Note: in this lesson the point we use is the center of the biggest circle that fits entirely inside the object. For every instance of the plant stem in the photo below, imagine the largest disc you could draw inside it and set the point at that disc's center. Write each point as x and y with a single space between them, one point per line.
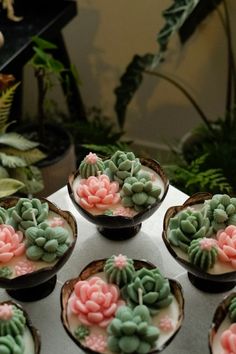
187 95
41 97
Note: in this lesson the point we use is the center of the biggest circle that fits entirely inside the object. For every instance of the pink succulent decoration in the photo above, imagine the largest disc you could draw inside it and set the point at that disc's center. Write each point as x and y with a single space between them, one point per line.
227 245
24 267
96 342
10 243
95 302
228 340
122 211
6 312
166 324
98 192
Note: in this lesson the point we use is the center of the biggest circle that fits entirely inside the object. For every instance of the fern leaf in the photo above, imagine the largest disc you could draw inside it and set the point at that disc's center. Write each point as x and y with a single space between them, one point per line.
31 156
6 100
17 141
11 161
106 150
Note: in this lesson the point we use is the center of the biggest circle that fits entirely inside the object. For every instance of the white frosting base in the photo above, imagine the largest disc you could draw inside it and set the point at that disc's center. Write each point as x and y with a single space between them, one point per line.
29 342
172 311
216 346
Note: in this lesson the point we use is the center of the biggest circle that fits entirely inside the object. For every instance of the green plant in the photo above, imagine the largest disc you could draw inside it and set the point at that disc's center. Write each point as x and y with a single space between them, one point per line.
206 166
17 155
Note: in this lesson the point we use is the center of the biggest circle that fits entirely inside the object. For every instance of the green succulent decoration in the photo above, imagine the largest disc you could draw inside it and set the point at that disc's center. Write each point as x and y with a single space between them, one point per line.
156 293
131 331
122 165
120 274
46 243
232 309
221 211
139 192
17 155
203 257
186 226
15 325
91 166
11 345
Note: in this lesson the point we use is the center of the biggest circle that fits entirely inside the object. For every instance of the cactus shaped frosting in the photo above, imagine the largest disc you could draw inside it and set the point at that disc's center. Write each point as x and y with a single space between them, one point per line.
122 165
12 345
119 270
3 215
91 166
221 211
131 332
203 253
232 309
156 293
29 212
139 192
186 226
12 320
46 243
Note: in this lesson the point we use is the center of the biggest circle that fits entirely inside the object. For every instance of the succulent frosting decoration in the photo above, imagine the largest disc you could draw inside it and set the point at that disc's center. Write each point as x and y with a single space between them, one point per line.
119 269
91 165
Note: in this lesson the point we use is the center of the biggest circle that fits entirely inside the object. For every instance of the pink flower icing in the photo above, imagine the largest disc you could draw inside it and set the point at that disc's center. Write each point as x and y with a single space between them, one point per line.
10 243
166 324
96 342
227 245
6 312
207 243
120 261
56 221
95 302
91 158
228 340
122 211
24 267
98 192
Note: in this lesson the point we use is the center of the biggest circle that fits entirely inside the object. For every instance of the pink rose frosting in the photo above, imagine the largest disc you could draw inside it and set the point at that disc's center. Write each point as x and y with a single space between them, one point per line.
24 267
96 342
227 245
10 243
95 302
166 324
98 192
228 340
56 221
91 158
122 211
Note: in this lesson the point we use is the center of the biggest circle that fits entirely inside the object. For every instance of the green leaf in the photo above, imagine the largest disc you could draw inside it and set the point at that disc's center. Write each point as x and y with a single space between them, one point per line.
29 156
11 161
5 105
32 178
17 141
9 186
43 43
3 172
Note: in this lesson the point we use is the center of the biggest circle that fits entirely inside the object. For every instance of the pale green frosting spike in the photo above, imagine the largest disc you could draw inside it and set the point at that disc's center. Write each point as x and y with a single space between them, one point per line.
14 325
232 309
131 331
46 243
12 345
202 258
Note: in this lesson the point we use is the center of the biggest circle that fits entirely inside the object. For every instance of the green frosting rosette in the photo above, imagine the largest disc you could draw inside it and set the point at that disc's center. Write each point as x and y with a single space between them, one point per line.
139 192
186 226
91 165
46 243
155 289
11 345
232 309
221 211
12 320
131 332
29 212
203 252
122 165
119 270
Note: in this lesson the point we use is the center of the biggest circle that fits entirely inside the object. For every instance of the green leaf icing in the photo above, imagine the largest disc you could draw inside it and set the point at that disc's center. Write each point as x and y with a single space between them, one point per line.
5 272
139 192
3 215
221 211
91 166
27 212
11 345
186 226
119 270
201 256
81 332
131 331
13 323
155 288
46 243
232 309
122 165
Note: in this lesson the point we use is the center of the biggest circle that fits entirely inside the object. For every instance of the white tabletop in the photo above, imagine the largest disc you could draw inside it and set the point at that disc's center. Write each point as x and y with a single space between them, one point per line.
148 245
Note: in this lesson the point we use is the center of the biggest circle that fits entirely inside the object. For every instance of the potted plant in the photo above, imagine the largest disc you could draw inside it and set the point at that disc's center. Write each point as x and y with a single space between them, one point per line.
206 166
46 127
17 154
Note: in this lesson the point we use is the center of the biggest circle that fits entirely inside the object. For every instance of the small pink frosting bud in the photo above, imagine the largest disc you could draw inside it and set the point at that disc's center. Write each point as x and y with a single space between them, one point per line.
91 158
226 240
98 192
228 340
95 302
56 221
10 243
122 211
96 342
207 243
166 324
24 267
120 261
6 312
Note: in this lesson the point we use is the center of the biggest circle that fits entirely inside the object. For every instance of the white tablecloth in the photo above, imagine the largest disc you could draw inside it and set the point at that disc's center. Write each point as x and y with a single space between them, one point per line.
148 245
